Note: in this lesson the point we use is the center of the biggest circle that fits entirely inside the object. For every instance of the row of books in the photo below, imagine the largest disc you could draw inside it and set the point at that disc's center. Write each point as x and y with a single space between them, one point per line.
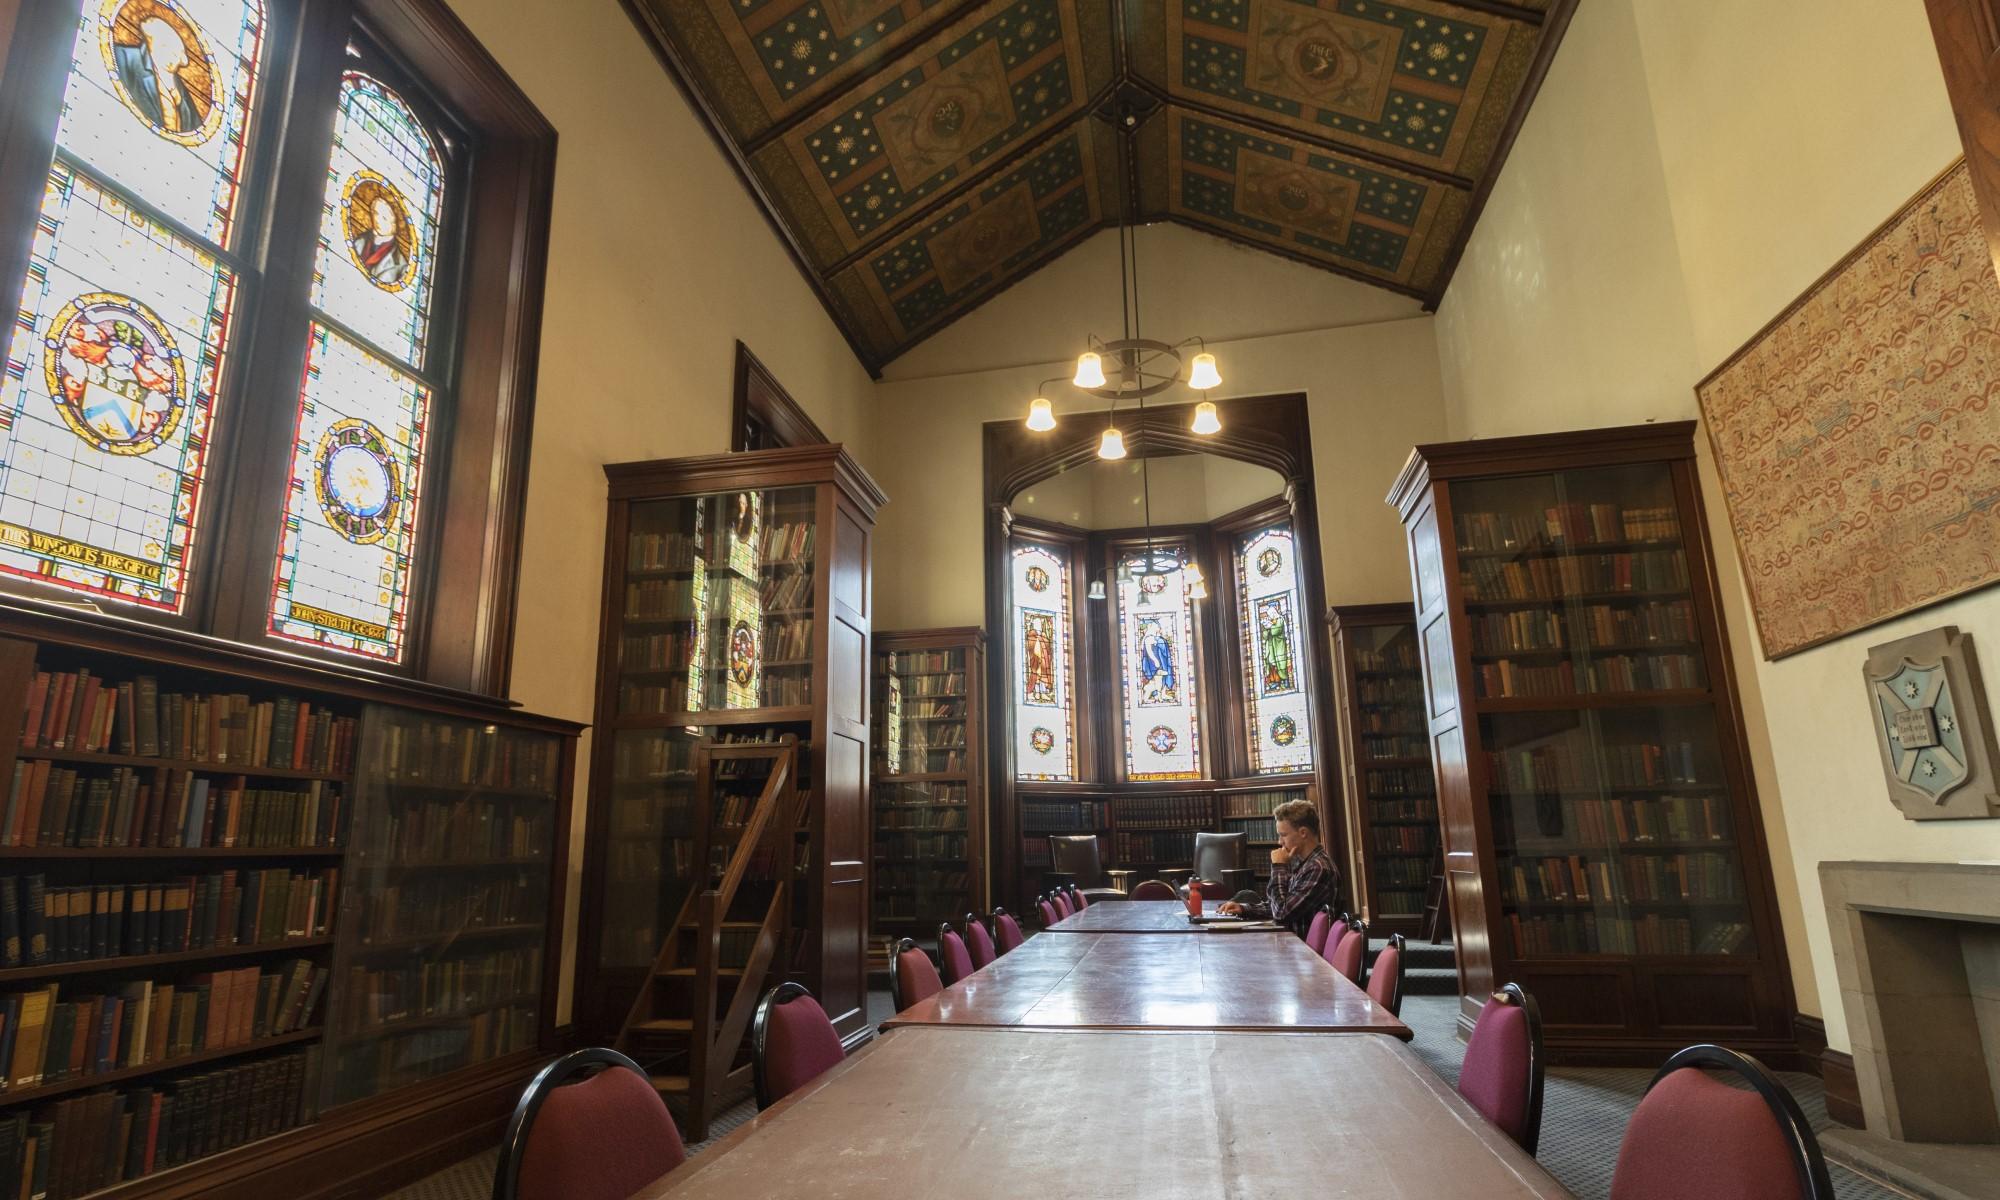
1255 829
790 543
1403 839
783 593
402 1058
1638 822
1588 879
951 684
1569 524
1615 673
921 760
671 650
1592 933
1064 816
458 755
441 988
891 794
925 661
1597 624
1386 718
476 830
85 1143
1397 655
436 906
1142 849
1554 579
670 599
40 924
47 1037
787 691
1256 804
1400 902
1575 761
1405 808
1162 812
76 710
653 754
1398 781
932 883
1394 745
789 641
915 817
936 710
52 805
1400 872
914 847
933 737
647 551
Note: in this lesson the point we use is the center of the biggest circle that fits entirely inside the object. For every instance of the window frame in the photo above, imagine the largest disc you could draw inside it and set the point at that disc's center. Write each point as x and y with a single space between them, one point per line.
1085 679
486 313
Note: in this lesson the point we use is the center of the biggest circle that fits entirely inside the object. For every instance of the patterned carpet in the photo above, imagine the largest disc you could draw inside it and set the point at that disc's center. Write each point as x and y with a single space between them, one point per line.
1584 1111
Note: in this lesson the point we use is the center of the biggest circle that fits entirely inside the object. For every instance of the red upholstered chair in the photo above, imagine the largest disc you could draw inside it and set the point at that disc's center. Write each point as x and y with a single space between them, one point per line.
1046 909
1385 978
1502 1075
792 1043
1006 931
1211 890
1063 907
913 977
1694 1135
605 1137
978 942
954 960
1347 948
1077 900
1154 889
1322 924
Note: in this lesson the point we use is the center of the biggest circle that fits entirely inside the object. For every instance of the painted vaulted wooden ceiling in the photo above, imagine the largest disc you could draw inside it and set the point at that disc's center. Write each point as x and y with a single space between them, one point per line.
920 155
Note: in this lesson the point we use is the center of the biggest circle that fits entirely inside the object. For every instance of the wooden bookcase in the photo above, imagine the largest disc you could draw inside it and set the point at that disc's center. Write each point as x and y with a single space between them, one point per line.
1602 838
736 607
928 785
353 884
1386 763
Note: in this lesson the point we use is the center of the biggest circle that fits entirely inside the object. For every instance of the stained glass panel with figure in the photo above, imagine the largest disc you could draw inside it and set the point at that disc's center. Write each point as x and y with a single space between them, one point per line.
1044 640
1274 663
1157 669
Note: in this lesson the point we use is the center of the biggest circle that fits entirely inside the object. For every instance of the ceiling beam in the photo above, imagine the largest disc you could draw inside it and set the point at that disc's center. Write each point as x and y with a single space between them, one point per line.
1499 8
1545 52
1271 129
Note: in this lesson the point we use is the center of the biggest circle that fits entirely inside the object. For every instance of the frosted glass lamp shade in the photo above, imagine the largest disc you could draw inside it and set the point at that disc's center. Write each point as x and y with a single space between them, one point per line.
1205 419
1112 445
1089 371
1202 374
1041 415
1197 587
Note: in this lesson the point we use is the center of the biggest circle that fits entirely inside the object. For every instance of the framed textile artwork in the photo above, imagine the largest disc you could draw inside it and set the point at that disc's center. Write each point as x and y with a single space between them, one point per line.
1854 435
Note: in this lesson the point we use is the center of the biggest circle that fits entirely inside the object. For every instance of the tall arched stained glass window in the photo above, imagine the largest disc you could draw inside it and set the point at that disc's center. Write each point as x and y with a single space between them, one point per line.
1274 665
123 330
1044 638
1156 665
348 543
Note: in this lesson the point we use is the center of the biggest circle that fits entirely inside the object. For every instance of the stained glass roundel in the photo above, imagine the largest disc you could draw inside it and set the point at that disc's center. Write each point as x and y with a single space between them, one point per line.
381 234
355 477
163 68
114 372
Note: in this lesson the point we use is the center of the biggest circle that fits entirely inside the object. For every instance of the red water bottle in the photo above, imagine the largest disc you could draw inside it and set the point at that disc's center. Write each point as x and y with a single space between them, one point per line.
1194 896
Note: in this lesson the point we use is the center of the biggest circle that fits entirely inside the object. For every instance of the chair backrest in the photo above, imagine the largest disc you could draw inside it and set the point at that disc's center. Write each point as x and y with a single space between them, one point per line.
978 942
954 960
1154 889
1063 907
1502 1075
1213 890
1006 931
1694 1135
1347 949
1046 909
601 1138
1385 978
1077 856
792 1043
1322 924
1077 900
1215 853
912 977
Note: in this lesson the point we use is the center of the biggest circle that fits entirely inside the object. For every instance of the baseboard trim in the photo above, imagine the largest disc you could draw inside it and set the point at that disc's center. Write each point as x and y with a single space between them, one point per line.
1835 1069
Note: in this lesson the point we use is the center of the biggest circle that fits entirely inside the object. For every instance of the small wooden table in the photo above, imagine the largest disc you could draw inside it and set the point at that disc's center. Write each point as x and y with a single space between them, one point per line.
1119 1116
1136 916
1118 981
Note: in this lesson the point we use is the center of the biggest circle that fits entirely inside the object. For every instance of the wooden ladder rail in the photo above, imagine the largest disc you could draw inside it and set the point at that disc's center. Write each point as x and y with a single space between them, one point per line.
713 1040
1436 915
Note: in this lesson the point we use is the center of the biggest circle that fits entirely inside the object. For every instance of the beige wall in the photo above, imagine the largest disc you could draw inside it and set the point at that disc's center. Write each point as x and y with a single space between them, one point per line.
1677 183
658 262
1186 489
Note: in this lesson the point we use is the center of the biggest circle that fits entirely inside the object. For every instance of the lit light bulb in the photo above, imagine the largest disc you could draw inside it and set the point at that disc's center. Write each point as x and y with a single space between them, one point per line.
1205 420
1042 415
1202 375
1089 371
1112 445
1197 587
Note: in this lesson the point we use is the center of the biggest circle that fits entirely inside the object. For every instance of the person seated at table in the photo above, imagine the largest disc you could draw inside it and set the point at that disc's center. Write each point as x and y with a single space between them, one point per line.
1303 876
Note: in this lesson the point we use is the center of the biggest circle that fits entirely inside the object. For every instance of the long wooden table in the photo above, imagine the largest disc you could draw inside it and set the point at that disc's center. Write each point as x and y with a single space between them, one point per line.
1136 916
1120 981
975 1114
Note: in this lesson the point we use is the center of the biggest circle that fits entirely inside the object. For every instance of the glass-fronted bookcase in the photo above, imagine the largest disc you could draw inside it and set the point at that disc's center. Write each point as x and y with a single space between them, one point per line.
1600 822
928 784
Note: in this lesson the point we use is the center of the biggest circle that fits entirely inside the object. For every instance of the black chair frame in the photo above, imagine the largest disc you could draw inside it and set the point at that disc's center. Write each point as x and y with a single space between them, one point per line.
760 1029
1814 1182
1402 946
1531 1130
514 1145
896 971
1360 927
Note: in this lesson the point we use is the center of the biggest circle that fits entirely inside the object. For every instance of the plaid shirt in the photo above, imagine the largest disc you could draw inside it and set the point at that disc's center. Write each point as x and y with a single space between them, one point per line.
1298 889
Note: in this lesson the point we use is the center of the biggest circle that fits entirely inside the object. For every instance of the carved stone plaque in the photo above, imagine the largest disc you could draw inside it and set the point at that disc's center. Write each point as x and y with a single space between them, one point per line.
1929 706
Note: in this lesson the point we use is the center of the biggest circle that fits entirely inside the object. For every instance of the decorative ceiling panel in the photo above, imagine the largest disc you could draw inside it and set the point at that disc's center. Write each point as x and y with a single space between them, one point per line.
920 155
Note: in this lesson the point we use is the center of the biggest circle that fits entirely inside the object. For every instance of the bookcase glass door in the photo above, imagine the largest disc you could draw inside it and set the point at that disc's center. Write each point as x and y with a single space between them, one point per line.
1393 768
923 869
1609 799
718 603
439 961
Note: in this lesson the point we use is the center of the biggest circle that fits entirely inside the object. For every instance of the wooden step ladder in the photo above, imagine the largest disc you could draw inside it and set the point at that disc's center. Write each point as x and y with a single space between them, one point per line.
1437 918
694 1052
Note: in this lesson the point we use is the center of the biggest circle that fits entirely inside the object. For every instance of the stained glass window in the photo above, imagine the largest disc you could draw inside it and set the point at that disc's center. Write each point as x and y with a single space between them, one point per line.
1044 640
348 544
1274 664
123 327
1156 665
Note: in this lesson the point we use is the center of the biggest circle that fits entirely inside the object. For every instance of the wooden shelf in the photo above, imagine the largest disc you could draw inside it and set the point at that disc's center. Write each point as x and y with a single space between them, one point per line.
1407 761
76 1083
401 1025
715 716
1584 651
1582 550
171 958
169 853
1611 597
98 758
470 933
1659 699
